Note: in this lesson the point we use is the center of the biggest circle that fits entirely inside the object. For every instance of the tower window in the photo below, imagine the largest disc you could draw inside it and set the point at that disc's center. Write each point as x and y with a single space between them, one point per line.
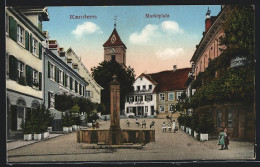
113 57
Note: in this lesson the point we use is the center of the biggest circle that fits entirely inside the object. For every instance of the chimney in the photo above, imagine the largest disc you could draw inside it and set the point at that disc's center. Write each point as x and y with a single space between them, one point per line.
207 21
174 67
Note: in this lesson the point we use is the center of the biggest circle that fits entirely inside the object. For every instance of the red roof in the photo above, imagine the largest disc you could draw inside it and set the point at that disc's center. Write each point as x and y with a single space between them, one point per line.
170 80
114 40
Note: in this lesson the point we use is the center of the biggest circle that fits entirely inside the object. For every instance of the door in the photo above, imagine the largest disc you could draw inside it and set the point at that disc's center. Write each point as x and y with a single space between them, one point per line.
152 110
20 117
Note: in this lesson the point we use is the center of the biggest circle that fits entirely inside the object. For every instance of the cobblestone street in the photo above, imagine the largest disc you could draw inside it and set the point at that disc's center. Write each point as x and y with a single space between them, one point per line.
168 146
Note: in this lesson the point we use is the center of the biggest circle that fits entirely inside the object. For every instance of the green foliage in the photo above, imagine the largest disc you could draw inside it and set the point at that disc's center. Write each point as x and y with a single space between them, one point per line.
187 121
91 117
40 119
239 30
66 120
75 109
181 119
103 75
195 121
101 108
63 102
85 105
206 124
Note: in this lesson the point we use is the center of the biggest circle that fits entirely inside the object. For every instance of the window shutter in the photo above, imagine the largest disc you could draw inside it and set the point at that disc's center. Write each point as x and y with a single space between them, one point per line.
151 97
40 81
14 117
31 43
63 81
66 80
145 98
83 90
49 68
12 28
28 70
76 86
13 73
26 40
70 83
40 51
55 73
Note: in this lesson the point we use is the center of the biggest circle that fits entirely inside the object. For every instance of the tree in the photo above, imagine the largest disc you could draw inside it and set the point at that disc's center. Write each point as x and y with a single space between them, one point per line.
101 108
85 105
103 75
206 124
63 102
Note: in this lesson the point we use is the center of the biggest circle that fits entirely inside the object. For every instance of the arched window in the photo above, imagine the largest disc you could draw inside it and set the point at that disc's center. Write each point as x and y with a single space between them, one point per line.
35 104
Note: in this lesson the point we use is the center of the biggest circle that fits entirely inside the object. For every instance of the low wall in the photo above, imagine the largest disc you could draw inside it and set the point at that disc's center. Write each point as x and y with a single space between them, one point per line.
127 136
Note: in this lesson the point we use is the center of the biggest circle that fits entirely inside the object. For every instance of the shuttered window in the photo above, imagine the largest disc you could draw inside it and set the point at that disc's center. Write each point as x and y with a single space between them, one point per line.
71 83
26 40
40 81
40 51
12 28
29 76
76 86
13 73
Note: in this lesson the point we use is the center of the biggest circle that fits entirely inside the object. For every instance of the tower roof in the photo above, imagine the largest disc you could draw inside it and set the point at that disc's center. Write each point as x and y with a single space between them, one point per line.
114 40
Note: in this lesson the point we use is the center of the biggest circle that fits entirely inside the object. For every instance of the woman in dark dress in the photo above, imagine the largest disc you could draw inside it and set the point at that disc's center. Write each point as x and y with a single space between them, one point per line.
226 139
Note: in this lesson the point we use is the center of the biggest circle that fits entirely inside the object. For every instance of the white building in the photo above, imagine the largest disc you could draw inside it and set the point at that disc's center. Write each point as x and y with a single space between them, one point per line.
142 101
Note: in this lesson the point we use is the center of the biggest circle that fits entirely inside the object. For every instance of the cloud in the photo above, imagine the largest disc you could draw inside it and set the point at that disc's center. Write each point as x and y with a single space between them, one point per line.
171 26
169 53
147 33
86 28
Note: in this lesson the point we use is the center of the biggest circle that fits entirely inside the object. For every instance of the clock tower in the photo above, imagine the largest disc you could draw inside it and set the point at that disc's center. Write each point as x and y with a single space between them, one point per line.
115 49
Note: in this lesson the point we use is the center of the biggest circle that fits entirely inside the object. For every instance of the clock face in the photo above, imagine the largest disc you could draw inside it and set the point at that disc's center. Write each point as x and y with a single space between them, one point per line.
113 39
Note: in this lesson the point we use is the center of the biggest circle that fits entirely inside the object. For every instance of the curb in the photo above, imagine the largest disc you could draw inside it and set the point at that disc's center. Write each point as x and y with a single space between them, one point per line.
38 141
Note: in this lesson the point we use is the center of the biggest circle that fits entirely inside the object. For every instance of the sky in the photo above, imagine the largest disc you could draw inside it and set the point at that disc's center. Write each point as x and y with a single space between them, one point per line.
153 44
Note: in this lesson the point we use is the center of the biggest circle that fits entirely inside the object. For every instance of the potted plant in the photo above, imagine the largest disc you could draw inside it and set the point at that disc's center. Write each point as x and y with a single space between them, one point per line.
205 127
27 130
195 124
65 122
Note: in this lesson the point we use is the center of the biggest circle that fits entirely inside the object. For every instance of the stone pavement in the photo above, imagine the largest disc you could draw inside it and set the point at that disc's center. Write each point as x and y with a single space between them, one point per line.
167 146
21 143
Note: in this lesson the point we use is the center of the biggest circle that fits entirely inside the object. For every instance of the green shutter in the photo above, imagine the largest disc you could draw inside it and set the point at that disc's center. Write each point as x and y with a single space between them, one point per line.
12 28
13 72
70 83
40 81
29 76
66 80
26 40
14 117
58 78
40 51
49 69
31 43
63 79
55 73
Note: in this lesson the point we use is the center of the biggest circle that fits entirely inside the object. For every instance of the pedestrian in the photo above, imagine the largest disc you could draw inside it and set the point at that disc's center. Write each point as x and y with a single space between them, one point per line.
128 123
173 126
137 123
226 139
164 126
97 125
152 124
105 119
143 124
221 139
169 127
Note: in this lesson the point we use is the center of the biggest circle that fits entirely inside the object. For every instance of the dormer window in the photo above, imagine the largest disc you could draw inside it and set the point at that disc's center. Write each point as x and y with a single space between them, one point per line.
144 87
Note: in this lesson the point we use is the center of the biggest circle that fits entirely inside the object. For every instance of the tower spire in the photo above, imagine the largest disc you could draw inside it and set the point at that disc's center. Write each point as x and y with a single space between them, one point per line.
115 22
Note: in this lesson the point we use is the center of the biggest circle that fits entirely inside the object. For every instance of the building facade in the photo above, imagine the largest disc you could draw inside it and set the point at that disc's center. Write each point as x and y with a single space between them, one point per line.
93 89
209 47
142 101
157 92
60 77
170 86
236 117
24 62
